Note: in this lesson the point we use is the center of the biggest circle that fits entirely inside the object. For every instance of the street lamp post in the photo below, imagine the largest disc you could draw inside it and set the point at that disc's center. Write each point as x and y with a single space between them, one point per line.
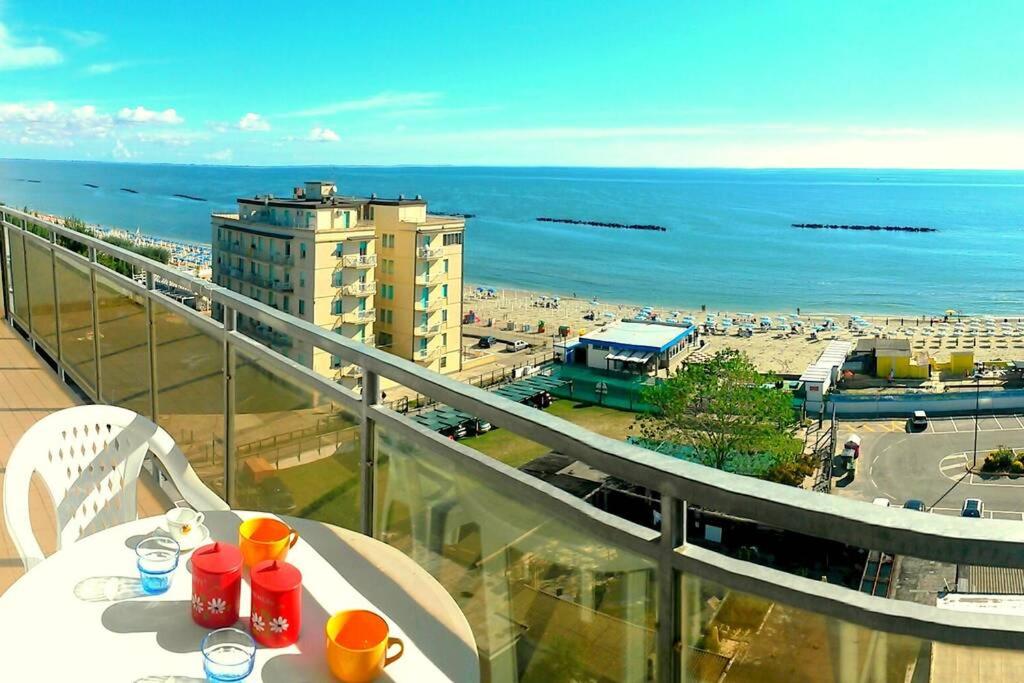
977 404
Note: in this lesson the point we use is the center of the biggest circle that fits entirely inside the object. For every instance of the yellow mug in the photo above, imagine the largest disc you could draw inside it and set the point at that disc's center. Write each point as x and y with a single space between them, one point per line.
358 644
265 538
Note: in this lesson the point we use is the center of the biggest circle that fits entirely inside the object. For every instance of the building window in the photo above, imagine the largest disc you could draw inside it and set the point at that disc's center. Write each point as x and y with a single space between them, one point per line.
444 315
284 303
347 219
336 278
287 248
302 250
384 339
390 316
446 265
450 238
444 291
302 279
444 340
336 307
444 361
302 307
335 362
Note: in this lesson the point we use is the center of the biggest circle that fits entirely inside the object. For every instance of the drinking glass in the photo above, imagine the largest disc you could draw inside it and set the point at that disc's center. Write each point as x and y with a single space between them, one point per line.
157 560
228 655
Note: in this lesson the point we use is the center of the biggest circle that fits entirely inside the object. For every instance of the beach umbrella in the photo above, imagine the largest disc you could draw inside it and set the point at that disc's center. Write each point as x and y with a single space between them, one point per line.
951 311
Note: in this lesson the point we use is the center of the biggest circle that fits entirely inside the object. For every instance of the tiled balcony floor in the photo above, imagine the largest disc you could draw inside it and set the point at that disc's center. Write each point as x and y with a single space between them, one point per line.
30 390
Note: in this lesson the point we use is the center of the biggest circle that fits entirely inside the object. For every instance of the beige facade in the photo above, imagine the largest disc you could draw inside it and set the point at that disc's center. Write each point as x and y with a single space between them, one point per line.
376 270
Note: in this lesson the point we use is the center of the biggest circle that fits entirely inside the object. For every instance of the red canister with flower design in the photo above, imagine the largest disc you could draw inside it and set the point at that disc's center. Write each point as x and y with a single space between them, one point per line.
216 584
276 603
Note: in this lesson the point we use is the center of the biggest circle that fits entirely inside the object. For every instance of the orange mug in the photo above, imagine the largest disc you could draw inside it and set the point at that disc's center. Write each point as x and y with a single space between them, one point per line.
358 644
265 538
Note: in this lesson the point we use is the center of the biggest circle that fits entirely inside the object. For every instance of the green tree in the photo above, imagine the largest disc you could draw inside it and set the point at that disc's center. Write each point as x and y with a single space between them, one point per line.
722 408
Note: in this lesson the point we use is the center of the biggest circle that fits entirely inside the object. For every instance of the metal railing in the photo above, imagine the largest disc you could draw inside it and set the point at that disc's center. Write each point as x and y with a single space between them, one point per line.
427 330
358 288
434 303
510 547
429 353
429 253
358 316
428 279
359 260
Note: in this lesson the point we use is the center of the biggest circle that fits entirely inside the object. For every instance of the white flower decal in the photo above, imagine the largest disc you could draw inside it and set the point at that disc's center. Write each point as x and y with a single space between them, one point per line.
278 624
257 622
197 603
217 606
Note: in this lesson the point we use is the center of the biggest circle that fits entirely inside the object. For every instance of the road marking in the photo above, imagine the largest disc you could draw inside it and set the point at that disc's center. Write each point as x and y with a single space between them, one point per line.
998 423
1017 418
953 466
953 422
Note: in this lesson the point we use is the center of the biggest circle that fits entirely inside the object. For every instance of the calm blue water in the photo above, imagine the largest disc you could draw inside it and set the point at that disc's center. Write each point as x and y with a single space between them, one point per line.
729 244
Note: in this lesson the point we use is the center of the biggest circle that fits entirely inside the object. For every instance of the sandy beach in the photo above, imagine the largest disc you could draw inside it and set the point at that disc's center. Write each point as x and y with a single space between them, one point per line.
992 339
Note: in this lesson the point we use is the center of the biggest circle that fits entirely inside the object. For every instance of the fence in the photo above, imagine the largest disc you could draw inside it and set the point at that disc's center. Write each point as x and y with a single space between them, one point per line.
949 404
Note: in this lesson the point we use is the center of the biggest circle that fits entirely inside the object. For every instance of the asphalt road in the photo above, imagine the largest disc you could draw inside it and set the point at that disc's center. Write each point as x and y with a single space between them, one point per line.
931 465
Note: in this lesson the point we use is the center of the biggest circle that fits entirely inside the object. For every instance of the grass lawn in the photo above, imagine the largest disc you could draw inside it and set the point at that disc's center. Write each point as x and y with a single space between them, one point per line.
514 450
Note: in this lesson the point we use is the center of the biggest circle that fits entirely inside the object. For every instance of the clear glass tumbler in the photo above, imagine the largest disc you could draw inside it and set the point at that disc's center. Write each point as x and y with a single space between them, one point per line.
157 560
228 655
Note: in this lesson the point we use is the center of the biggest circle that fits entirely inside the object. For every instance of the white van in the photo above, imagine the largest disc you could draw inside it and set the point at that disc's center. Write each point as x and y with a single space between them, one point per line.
518 345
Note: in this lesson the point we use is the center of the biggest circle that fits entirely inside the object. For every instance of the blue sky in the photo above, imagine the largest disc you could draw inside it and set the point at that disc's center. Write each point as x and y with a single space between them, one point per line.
785 83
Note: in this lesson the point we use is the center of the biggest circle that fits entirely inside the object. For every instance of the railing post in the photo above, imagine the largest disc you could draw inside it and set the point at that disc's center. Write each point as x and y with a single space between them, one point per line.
230 316
151 338
28 294
95 301
56 306
673 534
5 268
371 396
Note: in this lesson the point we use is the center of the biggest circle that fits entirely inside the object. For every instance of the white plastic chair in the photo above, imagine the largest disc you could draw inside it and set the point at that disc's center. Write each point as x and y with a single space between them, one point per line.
89 458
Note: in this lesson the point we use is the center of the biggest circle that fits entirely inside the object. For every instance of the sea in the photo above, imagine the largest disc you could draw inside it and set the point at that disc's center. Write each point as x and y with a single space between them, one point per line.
729 243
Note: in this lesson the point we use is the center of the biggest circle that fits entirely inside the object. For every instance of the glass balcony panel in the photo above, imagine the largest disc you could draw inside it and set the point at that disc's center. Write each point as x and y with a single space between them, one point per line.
296 451
124 346
41 296
18 282
754 639
74 294
547 601
190 391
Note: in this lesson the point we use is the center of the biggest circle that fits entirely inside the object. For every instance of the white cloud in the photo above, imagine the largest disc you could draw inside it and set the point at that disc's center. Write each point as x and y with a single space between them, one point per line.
84 38
104 68
14 56
323 135
222 155
384 100
253 122
121 152
143 115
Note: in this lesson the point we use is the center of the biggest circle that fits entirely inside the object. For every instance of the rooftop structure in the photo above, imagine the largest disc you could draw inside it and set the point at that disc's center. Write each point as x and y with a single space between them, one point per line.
636 346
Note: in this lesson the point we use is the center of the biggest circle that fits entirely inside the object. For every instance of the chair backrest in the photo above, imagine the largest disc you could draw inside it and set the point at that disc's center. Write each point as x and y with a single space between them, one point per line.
89 458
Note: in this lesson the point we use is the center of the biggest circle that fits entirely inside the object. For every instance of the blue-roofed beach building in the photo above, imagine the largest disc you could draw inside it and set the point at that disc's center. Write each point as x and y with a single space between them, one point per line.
637 347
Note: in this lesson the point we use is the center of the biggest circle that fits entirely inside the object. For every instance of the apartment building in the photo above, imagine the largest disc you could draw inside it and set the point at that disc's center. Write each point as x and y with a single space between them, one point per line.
345 263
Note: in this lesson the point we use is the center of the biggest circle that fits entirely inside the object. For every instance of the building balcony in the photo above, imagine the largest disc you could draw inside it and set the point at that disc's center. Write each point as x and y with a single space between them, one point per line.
636 592
250 252
359 260
348 372
432 304
283 286
235 272
359 288
427 354
359 316
427 330
267 335
429 253
430 279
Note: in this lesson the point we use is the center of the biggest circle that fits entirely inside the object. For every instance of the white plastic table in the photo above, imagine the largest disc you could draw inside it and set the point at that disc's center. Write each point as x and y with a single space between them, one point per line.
81 616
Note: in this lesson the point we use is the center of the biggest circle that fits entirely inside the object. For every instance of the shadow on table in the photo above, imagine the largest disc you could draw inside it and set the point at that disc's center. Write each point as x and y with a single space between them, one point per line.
108 588
133 541
169 619
170 679
290 668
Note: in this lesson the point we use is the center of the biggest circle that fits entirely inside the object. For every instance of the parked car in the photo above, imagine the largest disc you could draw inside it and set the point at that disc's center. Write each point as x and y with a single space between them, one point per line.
884 502
518 345
919 421
915 505
486 342
973 507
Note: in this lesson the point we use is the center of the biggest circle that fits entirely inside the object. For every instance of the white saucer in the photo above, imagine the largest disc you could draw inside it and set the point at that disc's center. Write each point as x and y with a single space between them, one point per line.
198 537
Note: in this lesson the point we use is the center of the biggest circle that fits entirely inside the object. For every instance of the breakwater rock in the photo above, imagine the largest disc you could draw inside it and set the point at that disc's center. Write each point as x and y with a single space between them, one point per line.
188 196
604 224
868 228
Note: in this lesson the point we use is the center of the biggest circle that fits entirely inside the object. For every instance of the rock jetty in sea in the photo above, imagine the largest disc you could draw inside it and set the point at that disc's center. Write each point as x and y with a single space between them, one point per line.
870 228
604 224
90 185
456 214
188 196
128 189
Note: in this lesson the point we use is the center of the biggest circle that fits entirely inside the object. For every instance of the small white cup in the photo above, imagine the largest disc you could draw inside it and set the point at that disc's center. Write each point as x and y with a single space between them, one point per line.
181 522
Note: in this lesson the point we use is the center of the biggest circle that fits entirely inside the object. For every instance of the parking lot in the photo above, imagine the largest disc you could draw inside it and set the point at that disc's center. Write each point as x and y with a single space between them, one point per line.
932 465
